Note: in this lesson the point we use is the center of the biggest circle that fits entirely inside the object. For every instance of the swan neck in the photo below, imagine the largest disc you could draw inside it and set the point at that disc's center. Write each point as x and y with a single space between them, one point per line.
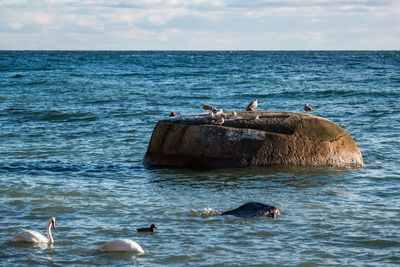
48 232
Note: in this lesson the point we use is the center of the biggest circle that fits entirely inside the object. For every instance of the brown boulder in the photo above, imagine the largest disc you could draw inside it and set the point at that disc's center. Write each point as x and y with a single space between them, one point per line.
275 138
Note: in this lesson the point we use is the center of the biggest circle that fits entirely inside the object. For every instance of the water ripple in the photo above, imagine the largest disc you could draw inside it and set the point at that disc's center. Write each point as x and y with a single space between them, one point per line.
75 126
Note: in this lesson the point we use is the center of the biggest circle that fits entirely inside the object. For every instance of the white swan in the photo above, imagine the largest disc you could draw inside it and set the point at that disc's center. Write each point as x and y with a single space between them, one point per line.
36 237
121 245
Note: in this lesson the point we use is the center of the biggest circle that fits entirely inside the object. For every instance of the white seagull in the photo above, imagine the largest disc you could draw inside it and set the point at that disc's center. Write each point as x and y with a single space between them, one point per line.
218 112
220 121
255 117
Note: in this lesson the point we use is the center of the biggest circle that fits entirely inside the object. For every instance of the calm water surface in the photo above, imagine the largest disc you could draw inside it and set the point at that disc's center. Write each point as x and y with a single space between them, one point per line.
74 127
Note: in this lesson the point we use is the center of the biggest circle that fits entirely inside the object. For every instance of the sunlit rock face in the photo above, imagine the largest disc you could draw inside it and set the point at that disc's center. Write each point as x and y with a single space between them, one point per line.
252 138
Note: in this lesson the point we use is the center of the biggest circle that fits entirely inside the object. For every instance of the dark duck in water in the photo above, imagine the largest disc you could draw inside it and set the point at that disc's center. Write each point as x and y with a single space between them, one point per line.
147 229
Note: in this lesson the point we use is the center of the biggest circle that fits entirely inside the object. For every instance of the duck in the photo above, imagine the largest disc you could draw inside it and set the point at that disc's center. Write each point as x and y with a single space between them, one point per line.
36 237
149 229
121 245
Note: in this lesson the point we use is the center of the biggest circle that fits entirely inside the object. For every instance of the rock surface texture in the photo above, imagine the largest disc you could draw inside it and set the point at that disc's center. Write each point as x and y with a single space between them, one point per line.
274 138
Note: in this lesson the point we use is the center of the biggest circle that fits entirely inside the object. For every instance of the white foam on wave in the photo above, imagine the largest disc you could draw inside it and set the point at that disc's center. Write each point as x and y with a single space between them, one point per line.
206 212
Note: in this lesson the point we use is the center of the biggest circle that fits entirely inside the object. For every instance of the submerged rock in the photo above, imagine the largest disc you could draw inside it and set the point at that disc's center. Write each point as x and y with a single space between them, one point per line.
251 138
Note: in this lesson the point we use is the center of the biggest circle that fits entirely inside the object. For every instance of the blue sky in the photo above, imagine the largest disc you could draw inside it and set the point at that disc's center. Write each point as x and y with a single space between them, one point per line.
200 24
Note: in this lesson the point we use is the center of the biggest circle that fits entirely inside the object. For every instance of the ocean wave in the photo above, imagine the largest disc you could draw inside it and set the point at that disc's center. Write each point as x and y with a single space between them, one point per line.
206 212
37 82
49 166
50 115
39 166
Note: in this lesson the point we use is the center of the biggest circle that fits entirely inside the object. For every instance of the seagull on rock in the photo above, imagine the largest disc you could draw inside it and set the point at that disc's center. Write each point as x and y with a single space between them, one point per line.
253 104
220 121
218 112
255 117
307 108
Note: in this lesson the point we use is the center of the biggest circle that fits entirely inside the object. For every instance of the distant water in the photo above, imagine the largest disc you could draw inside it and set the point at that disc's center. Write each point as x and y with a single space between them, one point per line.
74 127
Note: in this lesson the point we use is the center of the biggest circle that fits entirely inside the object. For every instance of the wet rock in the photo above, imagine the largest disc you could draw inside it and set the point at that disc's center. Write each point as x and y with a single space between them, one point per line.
269 139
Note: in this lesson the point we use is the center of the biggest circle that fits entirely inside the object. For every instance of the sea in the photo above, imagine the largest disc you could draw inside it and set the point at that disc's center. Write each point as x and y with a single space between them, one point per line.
75 126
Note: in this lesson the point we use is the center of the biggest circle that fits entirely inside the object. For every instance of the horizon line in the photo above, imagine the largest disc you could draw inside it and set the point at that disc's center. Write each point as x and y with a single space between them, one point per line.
203 50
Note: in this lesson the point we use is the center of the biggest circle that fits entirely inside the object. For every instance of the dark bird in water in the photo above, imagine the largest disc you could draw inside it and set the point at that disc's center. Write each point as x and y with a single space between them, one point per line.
147 229
173 114
206 107
253 104
307 108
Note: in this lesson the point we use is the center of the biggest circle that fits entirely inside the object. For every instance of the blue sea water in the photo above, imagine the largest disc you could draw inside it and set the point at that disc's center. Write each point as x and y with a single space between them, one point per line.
75 125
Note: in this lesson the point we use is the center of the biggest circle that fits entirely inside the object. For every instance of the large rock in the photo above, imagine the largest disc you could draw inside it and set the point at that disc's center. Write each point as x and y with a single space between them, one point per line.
276 138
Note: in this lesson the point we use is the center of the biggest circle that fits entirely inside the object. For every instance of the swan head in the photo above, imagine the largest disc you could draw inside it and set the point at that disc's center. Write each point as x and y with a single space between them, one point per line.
52 221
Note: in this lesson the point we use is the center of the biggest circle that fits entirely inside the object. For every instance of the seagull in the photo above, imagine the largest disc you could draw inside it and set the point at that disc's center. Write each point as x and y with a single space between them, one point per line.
307 108
253 104
206 107
220 121
234 114
218 112
255 117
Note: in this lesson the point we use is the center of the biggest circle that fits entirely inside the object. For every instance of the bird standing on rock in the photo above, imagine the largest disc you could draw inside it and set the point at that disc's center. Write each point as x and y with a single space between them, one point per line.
253 104
307 108
206 107
218 112
220 121
255 117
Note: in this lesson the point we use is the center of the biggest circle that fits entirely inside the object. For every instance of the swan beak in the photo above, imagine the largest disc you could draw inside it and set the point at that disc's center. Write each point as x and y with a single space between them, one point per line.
53 224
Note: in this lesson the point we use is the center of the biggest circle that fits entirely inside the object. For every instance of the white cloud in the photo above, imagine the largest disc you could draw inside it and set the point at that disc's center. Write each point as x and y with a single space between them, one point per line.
39 18
15 25
205 24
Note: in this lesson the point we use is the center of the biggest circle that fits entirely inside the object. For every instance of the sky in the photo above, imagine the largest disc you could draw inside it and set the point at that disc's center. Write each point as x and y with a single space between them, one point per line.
199 25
